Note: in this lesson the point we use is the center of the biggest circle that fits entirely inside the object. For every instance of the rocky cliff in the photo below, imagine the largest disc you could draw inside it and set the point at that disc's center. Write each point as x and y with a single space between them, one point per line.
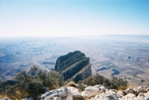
74 65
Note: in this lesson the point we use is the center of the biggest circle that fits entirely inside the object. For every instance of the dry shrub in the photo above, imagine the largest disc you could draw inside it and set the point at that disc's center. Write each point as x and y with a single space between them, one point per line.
71 83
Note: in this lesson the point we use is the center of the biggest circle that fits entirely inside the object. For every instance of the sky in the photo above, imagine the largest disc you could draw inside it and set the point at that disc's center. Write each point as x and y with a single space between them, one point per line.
42 18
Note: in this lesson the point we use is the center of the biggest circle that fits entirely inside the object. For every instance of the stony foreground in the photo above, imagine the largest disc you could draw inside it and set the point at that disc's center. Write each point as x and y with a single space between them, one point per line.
97 92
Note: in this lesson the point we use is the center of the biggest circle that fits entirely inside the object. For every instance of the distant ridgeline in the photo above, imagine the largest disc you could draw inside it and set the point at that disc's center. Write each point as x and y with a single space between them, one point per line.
74 65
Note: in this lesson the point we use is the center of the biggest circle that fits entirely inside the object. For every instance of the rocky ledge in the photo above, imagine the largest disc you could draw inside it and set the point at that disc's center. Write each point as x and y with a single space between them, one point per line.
74 65
97 92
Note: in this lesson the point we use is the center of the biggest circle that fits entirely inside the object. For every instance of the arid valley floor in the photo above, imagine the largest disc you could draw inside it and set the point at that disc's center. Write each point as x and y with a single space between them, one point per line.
122 56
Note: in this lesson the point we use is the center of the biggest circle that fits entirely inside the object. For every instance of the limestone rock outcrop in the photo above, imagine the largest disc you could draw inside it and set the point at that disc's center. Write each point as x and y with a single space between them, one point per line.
97 92
74 65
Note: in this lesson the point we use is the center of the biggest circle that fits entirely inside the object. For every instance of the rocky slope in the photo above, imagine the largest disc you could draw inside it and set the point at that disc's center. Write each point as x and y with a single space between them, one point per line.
74 65
97 92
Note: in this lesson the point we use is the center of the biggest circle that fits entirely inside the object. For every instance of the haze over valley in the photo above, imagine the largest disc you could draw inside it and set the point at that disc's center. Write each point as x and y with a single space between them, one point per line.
123 56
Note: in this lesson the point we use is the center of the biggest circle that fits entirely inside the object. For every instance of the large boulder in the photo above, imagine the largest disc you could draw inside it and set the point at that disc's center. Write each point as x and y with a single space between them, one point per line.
61 93
74 65
93 90
129 96
74 90
111 91
105 97
140 96
129 90
132 96
75 93
140 89
120 94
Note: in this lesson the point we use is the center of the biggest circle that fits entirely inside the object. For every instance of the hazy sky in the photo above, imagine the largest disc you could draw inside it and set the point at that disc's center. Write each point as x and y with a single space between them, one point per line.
73 17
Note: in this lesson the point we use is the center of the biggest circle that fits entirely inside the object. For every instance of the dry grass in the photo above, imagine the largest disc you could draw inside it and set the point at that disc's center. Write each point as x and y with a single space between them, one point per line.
71 83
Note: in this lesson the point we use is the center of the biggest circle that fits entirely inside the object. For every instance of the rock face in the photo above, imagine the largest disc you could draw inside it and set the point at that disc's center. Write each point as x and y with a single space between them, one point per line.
74 65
